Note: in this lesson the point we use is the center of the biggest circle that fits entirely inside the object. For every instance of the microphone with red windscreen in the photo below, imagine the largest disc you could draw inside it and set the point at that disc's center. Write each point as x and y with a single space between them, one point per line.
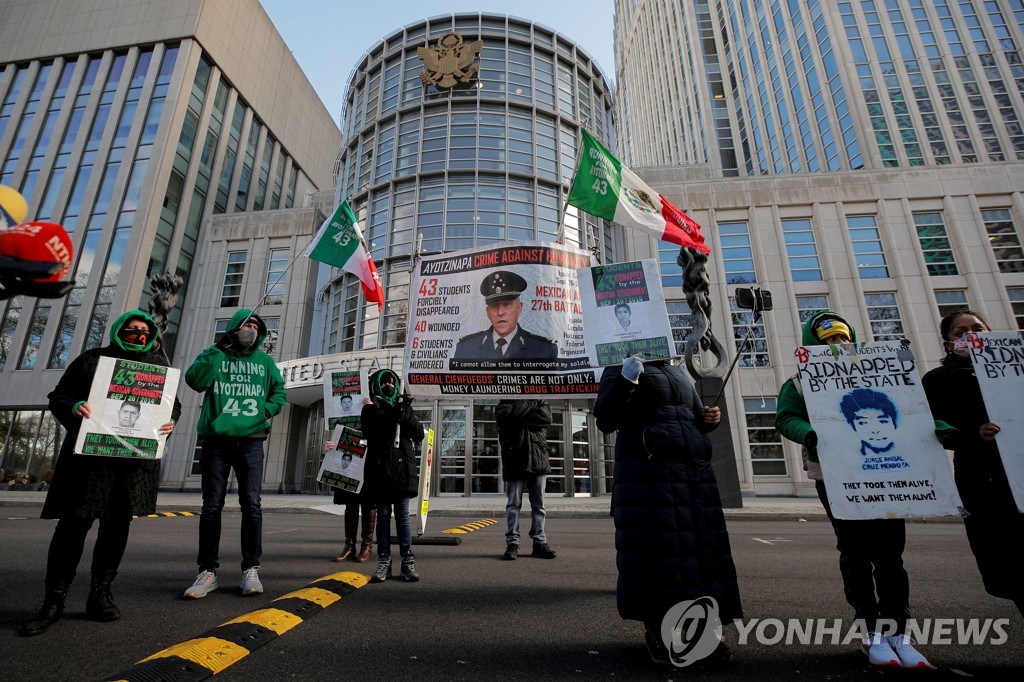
34 257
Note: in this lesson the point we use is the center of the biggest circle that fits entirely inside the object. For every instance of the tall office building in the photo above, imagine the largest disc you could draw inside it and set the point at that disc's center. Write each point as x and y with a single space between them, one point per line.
861 156
132 124
445 162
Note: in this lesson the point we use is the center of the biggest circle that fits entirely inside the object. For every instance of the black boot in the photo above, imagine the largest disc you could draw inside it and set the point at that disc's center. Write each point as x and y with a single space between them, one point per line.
48 613
99 606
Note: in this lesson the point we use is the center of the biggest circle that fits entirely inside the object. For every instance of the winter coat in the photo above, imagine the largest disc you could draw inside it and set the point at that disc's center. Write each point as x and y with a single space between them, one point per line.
522 435
391 473
955 397
244 389
88 486
671 540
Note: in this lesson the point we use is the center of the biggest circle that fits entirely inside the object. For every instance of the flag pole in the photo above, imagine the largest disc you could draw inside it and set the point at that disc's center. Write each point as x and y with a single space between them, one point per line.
565 206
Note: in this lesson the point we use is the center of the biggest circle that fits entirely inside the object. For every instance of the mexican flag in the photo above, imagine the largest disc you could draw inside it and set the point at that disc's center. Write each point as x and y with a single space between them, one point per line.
607 189
339 242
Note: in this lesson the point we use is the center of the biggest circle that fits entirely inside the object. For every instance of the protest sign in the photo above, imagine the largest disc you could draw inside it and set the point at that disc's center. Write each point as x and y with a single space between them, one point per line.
624 312
998 359
876 435
343 397
426 466
130 401
504 321
343 466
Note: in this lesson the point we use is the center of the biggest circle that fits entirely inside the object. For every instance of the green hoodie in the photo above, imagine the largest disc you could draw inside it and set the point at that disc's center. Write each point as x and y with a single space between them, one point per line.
244 389
791 418
120 322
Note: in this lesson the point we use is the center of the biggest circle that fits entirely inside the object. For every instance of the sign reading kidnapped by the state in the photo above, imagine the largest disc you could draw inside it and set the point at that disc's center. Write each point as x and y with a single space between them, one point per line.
876 435
505 321
343 466
624 312
344 391
998 359
130 401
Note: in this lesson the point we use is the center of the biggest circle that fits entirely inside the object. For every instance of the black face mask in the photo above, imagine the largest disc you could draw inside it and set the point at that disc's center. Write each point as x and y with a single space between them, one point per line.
137 338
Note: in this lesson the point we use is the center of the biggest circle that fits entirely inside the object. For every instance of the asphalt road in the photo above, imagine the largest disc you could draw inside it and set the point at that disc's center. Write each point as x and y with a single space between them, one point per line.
474 616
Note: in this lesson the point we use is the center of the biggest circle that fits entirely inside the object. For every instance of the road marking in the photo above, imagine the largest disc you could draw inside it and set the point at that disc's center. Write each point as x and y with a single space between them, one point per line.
162 514
771 542
223 646
286 530
470 527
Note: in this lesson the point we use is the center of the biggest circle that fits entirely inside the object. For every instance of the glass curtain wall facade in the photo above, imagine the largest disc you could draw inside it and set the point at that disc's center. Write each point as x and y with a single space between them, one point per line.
91 142
441 170
864 156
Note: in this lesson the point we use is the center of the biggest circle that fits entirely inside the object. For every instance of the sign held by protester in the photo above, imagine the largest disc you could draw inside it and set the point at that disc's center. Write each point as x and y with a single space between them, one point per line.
130 401
624 312
876 435
344 391
503 321
344 465
998 359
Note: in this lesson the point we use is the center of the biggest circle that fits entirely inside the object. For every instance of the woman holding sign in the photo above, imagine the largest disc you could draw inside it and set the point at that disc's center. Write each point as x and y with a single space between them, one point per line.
994 522
87 487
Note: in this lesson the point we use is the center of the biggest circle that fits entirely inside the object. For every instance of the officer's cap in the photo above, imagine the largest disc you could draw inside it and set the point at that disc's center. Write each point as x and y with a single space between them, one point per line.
502 286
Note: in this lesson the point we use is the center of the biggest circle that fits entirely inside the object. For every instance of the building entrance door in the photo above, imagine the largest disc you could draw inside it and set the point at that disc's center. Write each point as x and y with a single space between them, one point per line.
452 450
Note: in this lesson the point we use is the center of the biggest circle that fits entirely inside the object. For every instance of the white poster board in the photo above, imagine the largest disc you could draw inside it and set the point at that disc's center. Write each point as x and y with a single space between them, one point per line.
998 359
455 324
426 466
344 466
624 312
130 401
344 391
876 435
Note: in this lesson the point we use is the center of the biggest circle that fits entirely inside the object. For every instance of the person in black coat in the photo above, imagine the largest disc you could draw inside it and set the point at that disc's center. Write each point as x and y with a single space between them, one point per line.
671 541
88 487
354 503
994 523
393 435
523 437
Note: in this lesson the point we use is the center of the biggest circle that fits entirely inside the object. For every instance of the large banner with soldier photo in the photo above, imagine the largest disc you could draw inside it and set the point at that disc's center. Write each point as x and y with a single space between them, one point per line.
998 359
505 321
876 436
130 401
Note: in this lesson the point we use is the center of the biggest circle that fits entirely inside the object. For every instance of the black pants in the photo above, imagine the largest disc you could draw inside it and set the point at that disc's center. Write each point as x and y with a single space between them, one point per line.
68 543
870 560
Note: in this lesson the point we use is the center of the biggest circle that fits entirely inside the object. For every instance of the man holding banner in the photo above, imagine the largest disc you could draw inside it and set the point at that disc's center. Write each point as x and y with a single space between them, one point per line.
87 487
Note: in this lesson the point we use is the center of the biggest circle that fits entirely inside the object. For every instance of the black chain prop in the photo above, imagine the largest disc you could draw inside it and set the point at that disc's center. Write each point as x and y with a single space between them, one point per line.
697 286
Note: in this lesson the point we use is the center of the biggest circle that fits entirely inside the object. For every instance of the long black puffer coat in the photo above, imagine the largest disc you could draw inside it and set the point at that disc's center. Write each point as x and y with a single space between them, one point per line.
392 473
523 436
91 487
955 397
670 536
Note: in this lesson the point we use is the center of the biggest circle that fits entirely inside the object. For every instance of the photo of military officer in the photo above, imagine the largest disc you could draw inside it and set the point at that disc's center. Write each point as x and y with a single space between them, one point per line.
505 339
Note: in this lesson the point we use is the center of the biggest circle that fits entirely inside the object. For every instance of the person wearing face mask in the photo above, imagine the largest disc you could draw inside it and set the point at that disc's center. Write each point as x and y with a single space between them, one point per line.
393 435
85 488
955 397
243 391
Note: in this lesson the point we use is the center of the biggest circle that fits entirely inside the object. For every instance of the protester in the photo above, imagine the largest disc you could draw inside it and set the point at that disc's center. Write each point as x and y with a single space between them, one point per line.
671 541
871 550
955 398
244 390
354 503
522 435
393 434
88 487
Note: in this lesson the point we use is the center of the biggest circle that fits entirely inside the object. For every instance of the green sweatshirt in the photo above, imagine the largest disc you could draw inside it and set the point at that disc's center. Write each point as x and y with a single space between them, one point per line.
244 389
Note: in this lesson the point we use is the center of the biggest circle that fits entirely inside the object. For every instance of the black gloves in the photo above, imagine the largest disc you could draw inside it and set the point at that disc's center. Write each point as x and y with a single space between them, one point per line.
229 340
811 440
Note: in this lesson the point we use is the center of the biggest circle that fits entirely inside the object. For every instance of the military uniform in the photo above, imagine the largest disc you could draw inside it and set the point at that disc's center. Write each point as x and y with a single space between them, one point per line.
499 287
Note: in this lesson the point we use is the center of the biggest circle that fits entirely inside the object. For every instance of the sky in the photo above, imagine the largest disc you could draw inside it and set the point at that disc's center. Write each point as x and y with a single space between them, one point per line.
329 37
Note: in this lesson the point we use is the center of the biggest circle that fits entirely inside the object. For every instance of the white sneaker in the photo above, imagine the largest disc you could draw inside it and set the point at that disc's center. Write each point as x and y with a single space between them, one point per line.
206 582
251 581
910 657
879 651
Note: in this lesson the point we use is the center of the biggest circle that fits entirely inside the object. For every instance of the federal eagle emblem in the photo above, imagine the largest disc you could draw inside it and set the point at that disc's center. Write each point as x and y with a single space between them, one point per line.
640 199
450 61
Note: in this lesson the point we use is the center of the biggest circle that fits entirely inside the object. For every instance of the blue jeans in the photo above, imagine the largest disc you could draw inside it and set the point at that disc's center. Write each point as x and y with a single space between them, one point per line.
401 523
515 504
218 458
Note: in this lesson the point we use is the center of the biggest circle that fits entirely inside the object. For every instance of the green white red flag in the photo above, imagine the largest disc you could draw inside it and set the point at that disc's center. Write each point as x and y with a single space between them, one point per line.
339 242
605 188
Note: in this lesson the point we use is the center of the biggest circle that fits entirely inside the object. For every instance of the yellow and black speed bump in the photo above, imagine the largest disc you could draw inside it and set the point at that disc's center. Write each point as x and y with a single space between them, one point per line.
470 527
223 646
162 514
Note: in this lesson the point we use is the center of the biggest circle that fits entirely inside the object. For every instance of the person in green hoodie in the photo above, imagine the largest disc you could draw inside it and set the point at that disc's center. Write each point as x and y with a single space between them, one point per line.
243 391
85 488
871 550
